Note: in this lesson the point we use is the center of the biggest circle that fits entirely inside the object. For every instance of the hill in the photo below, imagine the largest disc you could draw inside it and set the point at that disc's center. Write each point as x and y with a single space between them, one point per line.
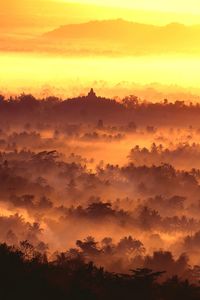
130 36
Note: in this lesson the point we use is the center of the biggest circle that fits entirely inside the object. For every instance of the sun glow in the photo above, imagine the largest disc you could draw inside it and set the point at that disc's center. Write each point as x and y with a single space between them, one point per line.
28 62
176 6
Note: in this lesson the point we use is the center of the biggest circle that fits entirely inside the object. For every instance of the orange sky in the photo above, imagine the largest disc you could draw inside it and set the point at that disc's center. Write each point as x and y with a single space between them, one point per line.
26 69
157 5
52 13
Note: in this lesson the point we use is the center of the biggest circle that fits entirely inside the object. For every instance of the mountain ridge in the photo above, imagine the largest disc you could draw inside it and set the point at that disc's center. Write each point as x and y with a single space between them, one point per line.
129 37
76 30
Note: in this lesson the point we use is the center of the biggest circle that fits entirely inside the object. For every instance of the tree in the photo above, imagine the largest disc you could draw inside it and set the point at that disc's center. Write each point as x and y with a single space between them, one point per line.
130 101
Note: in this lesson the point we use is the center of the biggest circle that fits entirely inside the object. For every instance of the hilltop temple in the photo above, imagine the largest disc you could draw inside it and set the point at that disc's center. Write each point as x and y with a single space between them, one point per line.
92 95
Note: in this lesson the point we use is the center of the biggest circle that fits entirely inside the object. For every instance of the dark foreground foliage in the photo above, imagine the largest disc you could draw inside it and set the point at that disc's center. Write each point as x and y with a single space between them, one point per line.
29 275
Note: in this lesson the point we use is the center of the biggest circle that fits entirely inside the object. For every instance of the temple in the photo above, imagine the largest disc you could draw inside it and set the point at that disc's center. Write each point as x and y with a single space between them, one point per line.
91 95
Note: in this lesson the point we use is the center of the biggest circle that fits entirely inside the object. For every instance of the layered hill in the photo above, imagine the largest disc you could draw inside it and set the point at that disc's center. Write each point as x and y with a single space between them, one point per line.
131 36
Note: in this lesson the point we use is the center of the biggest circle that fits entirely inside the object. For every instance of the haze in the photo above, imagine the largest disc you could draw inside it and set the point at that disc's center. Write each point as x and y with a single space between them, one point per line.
99 150
32 59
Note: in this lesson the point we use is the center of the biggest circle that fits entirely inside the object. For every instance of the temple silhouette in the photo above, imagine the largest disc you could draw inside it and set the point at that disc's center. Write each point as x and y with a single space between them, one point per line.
92 95
90 99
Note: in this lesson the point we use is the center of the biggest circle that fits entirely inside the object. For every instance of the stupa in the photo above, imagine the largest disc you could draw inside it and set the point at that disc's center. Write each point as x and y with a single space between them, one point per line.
91 95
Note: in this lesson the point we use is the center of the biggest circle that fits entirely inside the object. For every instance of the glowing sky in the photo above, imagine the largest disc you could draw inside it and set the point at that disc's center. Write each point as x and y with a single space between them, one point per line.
56 12
24 20
146 11
177 6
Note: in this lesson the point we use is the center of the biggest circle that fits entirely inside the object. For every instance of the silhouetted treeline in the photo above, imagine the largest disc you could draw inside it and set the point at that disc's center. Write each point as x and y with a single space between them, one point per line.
26 274
24 108
181 155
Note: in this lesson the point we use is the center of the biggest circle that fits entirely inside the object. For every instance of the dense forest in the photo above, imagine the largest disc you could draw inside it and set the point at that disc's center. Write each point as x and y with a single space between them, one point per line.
99 198
91 108
26 274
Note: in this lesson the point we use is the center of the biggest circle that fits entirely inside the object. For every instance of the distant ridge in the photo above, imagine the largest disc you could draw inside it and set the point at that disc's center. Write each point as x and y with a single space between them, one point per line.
130 36
99 29
115 28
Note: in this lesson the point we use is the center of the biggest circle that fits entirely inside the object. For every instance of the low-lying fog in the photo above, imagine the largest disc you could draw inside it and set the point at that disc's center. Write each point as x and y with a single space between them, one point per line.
120 193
